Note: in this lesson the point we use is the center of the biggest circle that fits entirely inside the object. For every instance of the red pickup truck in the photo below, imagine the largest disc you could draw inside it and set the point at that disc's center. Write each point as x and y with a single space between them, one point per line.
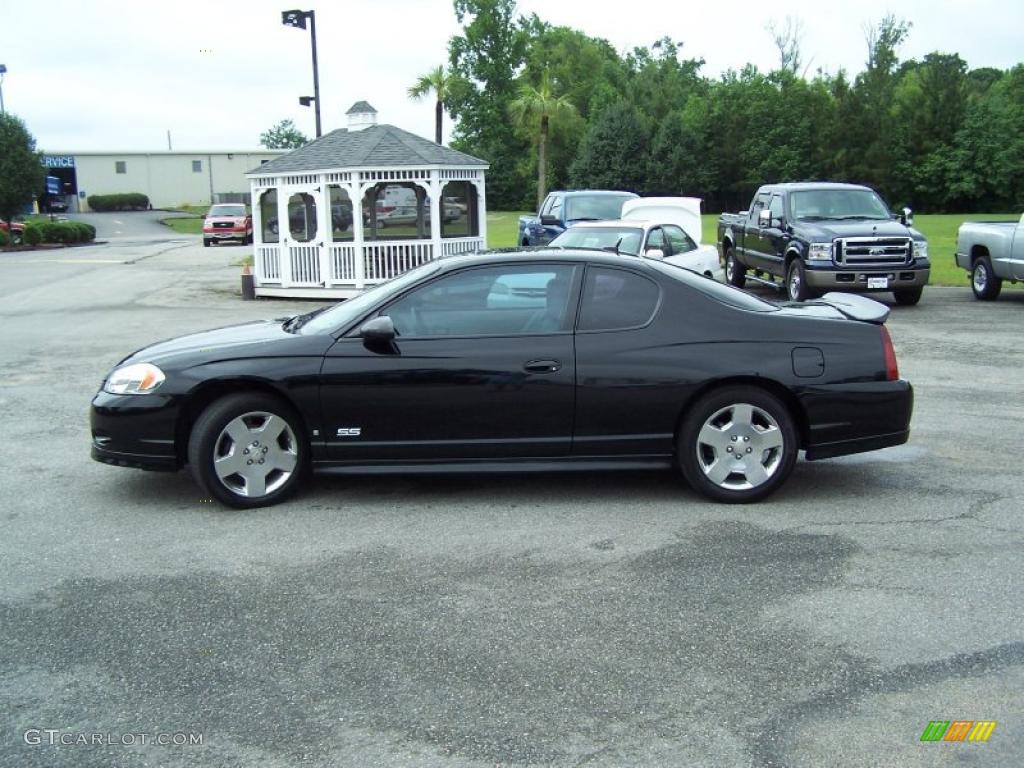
227 221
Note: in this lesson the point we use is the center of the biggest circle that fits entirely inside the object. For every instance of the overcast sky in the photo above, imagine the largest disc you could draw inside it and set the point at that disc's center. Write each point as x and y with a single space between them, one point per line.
113 74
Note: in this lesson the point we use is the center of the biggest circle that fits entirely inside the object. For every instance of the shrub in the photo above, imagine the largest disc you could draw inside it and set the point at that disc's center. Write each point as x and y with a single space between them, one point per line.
124 201
3 238
32 235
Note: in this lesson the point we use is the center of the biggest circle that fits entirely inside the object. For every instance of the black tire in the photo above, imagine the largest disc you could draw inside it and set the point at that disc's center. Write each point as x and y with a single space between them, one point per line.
206 243
735 274
796 282
248 415
770 431
908 297
984 283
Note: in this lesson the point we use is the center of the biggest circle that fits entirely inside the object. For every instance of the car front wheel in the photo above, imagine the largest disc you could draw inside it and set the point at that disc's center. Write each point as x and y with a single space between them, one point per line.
248 450
737 445
796 282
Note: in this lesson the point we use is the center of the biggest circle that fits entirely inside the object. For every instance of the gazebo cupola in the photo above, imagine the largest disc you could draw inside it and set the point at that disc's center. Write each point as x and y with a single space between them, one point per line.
361 205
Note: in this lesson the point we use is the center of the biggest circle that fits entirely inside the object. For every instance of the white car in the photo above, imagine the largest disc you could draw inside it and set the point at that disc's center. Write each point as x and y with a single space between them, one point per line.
667 228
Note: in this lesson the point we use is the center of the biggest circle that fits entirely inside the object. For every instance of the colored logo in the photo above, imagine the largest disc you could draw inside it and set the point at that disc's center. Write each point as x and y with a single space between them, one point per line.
958 730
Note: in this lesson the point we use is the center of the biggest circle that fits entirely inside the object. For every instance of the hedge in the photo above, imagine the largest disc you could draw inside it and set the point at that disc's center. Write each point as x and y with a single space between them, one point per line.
32 235
127 201
66 232
3 238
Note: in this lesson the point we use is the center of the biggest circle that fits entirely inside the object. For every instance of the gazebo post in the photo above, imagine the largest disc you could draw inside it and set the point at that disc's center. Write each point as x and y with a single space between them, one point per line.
284 229
324 226
435 215
356 197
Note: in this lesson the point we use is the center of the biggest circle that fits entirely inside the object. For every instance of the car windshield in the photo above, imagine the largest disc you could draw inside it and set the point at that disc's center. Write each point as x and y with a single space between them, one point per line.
595 208
626 238
227 210
347 311
822 204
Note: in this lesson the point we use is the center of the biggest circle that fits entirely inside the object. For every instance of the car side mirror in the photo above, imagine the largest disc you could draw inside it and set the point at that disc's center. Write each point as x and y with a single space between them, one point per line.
379 330
907 217
548 220
764 218
654 253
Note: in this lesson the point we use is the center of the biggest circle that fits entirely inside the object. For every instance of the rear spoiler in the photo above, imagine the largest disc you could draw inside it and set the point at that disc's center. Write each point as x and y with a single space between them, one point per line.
857 307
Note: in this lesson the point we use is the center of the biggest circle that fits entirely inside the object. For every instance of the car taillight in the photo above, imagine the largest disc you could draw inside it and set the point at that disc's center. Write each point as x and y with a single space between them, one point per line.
892 369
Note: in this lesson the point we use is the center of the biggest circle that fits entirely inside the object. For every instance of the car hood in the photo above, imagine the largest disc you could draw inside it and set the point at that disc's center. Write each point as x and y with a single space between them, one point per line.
819 231
262 338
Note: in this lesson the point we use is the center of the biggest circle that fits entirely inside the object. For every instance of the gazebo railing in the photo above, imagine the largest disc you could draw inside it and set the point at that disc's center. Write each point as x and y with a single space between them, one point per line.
338 264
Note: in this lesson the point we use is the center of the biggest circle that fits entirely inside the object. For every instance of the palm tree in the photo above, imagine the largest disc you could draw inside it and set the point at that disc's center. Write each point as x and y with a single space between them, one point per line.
438 82
535 109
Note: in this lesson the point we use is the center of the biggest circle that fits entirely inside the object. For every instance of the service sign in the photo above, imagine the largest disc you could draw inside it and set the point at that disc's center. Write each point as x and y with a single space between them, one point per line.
58 161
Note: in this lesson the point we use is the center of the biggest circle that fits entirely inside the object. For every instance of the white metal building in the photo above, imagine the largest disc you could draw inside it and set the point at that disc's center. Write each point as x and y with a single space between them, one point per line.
167 178
362 205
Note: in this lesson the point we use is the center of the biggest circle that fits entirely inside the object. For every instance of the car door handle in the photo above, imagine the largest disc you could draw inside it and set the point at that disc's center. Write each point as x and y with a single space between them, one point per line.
542 366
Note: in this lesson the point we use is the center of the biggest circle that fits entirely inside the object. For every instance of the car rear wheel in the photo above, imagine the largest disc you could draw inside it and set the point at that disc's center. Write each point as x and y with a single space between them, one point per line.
248 450
735 275
908 297
984 283
737 445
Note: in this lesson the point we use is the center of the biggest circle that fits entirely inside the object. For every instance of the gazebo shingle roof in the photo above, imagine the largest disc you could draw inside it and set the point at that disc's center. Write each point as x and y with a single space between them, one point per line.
359 107
378 146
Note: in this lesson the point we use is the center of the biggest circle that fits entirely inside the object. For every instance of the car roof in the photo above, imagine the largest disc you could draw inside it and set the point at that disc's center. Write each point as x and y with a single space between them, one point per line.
794 186
615 224
519 255
593 192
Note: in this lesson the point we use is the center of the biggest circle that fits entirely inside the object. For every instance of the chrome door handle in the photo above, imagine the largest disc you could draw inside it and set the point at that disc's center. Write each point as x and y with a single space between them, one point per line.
542 366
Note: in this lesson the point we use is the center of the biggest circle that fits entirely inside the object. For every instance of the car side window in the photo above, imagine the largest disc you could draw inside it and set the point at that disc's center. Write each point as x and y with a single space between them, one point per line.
556 207
759 203
775 208
615 299
545 209
656 239
490 301
679 240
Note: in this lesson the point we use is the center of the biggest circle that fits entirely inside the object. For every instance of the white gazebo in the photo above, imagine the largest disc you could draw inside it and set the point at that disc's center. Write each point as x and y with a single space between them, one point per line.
362 205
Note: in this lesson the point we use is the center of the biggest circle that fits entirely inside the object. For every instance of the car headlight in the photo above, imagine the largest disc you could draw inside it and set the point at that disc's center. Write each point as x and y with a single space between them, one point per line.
820 252
135 379
920 249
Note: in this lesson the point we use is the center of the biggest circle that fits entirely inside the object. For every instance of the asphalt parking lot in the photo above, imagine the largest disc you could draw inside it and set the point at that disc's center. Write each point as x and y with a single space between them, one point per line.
598 620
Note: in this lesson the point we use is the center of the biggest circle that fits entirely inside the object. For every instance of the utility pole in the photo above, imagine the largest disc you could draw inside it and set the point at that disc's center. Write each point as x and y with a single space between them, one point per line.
297 19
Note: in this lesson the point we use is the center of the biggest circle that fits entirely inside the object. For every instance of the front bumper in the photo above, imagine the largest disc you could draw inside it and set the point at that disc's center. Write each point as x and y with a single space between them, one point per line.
226 234
858 417
857 280
135 431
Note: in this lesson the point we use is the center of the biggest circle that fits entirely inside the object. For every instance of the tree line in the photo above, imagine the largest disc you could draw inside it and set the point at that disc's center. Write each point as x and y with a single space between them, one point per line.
550 107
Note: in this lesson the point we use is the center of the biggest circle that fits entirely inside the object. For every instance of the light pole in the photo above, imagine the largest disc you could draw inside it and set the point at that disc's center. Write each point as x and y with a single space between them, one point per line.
298 19
3 71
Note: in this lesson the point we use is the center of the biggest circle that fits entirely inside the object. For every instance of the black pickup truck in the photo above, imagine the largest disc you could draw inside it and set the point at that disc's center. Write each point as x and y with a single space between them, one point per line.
822 236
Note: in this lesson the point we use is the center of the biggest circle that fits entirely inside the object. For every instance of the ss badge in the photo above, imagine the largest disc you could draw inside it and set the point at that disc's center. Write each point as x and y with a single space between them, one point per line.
349 431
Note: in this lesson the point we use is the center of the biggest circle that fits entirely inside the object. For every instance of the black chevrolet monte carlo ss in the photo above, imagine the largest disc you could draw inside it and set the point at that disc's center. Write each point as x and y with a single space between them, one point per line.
547 360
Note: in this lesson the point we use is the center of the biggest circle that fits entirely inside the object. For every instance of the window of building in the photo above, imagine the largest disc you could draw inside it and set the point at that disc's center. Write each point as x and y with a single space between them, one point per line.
459 217
197 166
120 166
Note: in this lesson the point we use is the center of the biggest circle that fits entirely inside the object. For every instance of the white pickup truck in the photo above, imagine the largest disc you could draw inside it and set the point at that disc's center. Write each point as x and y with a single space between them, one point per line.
992 251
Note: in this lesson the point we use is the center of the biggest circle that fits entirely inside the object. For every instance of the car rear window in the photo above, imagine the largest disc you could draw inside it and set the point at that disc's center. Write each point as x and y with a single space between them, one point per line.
719 291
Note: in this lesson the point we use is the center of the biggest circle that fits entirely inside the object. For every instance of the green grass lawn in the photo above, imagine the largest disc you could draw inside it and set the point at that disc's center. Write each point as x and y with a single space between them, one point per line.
189 226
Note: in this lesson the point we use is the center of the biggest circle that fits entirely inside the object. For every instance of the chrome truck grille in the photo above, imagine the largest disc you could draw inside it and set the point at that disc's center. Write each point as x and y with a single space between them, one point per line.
873 251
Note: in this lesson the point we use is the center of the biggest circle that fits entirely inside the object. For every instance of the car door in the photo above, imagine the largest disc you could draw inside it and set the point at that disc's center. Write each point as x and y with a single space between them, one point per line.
767 238
623 400
752 240
1017 250
483 367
